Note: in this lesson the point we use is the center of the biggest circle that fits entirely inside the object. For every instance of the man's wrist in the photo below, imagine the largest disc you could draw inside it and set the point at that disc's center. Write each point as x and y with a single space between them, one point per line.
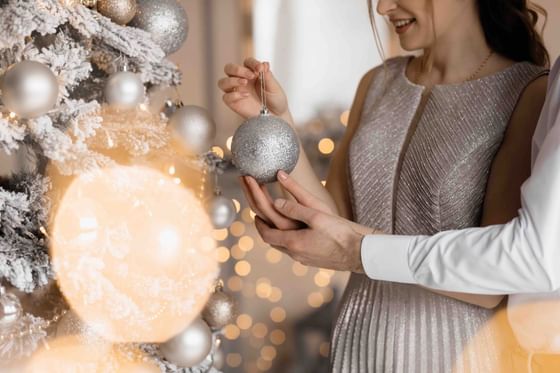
385 257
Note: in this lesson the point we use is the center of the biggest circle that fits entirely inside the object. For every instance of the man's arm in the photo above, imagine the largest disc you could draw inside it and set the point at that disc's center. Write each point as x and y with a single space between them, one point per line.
521 256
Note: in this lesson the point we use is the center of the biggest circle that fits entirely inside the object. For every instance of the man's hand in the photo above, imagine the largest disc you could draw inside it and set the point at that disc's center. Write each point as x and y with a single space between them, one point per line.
328 241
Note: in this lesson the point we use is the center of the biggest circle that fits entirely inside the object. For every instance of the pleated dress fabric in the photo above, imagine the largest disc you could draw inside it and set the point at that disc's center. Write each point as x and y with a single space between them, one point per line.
419 163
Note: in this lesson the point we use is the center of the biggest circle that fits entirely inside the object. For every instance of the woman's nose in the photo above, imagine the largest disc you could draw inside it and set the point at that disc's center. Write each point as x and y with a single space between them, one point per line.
385 6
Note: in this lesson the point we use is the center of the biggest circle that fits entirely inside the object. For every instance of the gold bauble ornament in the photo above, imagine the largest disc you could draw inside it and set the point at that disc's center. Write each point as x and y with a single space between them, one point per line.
89 3
119 11
220 309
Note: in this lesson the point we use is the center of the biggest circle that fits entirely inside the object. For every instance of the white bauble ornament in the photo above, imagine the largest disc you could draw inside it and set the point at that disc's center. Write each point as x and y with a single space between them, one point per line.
264 145
193 127
222 212
124 90
29 89
190 347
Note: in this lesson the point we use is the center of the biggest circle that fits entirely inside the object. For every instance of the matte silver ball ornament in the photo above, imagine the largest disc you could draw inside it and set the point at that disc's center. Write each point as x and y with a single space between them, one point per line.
190 347
124 90
193 127
10 308
119 11
264 145
220 310
29 89
222 212
165 20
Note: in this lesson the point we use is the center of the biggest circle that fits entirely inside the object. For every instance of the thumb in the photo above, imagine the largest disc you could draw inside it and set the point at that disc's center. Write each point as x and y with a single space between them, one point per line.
294 210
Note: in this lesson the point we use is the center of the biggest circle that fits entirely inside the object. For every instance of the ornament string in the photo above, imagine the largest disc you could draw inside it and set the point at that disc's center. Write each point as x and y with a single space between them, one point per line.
264 108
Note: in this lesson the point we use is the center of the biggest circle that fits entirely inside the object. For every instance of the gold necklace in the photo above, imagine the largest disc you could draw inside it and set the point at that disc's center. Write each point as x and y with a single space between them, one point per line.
482 66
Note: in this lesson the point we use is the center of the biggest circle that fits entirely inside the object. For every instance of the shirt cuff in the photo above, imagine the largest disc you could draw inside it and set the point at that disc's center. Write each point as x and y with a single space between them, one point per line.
385 257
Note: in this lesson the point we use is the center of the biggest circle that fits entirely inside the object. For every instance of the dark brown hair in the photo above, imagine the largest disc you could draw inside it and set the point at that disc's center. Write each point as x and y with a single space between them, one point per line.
510 29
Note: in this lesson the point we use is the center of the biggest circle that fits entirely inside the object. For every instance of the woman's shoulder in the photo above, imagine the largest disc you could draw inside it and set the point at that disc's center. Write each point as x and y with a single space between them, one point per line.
391 67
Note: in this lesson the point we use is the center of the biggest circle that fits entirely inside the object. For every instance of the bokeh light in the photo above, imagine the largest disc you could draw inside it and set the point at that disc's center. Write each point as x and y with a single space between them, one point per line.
134 266
326 146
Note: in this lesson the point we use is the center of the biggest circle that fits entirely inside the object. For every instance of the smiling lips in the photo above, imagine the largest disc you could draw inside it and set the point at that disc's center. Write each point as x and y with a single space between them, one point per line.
402 25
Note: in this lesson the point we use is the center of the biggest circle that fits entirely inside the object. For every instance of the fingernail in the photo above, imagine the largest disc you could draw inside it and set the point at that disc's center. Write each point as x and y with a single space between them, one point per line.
245 94
282 175
279 203
243 81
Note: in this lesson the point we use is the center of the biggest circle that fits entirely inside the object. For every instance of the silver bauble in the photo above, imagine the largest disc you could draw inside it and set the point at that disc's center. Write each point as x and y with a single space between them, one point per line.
119 11
220 310
222 212
194 128
124 90
22 160
165 20
10 309
29 89
190 347
264 145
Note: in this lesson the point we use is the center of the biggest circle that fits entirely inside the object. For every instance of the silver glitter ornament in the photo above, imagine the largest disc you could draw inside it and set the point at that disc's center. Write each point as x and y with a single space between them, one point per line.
264 145
165 20
193 127
190 347
89 3
220 310
124 90
29 89
10 308
119 11
222 212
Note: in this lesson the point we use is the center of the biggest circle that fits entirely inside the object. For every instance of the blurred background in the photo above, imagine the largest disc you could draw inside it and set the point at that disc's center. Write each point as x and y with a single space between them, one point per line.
319 50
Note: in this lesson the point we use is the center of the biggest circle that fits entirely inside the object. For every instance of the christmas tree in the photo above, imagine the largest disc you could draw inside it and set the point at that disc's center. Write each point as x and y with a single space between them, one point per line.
105 255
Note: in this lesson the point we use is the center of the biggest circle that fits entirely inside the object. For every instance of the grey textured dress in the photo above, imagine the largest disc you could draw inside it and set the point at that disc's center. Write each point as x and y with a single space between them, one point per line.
419 163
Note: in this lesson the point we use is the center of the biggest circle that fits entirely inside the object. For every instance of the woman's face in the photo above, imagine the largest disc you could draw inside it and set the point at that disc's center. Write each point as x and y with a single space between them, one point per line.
415 21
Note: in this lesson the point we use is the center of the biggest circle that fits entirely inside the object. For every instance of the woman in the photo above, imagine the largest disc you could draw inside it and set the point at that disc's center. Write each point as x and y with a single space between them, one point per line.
437 142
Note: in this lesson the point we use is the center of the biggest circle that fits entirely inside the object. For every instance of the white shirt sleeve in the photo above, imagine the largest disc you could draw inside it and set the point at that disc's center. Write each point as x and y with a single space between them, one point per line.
522 256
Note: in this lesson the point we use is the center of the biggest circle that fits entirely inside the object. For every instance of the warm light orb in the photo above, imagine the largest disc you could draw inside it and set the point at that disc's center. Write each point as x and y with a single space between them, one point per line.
134 253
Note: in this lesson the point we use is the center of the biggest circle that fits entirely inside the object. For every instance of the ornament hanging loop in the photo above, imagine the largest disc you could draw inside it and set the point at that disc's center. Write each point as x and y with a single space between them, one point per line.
264 108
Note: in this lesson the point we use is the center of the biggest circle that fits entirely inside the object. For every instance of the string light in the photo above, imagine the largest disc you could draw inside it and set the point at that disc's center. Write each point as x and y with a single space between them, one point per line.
234 360
344 118
237 229
264 290
243 268
273 256
235 283
326 146
322 279
220 234
218 151
278 314
275 295
277 337
315 300
244 321
171 170
231 332
228 142
263 364
12 115
260 330
268 353
237 205
222 254
246 243
299 269
237 253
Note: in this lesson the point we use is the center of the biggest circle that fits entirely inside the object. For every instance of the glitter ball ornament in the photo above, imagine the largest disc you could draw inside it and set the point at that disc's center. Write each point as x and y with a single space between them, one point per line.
264 145
165 20
29 89
10 308
222 212
119 11
193 127
124 90
190 347
220 309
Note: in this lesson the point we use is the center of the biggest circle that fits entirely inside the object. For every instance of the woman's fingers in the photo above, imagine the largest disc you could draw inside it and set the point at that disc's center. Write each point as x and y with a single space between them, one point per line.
254 65
233 97
301 194
251 201
230 84
265 204
233 70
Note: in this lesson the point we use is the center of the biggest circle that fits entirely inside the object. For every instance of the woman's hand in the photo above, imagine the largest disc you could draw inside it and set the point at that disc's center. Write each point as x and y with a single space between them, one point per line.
242 92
